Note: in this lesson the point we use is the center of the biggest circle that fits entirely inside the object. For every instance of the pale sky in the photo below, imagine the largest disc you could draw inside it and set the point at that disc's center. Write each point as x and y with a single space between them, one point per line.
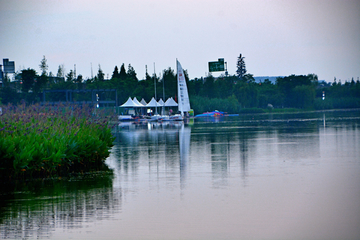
277 38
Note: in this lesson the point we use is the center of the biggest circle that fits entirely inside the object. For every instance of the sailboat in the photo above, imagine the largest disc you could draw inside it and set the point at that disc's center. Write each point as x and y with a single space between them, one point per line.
183 95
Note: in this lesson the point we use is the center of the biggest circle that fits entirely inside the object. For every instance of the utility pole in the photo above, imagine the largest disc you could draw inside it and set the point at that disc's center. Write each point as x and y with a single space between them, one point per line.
91 72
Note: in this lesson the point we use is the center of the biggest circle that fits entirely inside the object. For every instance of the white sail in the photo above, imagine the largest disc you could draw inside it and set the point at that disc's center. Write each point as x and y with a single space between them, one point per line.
183 95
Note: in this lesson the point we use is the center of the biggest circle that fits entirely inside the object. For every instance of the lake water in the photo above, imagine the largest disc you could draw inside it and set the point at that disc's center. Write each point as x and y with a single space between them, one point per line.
279 176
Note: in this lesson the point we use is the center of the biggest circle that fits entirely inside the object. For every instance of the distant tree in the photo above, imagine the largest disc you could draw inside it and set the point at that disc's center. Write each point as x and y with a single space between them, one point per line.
209 87
287 85
313 78
131 73
352 83
145 88
40 83
249 78
195 86
269 94
304 96
9 95
267 82
43 66
70 76
122 74
6 80
169 81
131 81
79 79
241 69
28 79
247 94
61 71
100 75
115 73
224 86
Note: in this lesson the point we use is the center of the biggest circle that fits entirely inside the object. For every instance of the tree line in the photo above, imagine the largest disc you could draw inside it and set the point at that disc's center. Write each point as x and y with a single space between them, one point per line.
225 93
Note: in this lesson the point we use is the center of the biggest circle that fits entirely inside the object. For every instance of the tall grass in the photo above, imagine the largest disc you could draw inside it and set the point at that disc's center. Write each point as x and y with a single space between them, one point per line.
47 141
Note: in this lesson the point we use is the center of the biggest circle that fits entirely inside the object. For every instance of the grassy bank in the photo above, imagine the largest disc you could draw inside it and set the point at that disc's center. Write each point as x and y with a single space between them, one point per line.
45 141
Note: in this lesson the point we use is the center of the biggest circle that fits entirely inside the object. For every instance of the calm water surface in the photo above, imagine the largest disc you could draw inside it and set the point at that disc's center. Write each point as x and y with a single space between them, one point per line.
280 176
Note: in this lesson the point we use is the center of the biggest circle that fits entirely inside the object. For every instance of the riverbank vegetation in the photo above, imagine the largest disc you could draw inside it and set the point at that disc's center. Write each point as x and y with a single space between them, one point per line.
231 93
47 141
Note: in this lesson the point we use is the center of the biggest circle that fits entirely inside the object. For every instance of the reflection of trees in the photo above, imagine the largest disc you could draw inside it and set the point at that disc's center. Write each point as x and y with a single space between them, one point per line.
298 137
224 145
156 142
228 144
243 145
219 141
35 209
219 162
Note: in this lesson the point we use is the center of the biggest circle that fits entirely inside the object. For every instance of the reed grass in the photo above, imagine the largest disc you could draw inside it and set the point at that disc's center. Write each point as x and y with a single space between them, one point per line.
48 141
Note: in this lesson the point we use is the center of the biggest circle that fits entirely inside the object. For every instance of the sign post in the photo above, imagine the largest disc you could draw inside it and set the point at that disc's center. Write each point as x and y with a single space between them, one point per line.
217 66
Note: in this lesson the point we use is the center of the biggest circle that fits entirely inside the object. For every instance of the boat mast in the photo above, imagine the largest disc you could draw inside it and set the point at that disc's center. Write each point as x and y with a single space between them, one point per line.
163 107
155 91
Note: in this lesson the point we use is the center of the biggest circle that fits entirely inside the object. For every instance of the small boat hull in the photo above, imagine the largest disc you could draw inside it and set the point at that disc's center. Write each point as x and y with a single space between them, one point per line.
211 114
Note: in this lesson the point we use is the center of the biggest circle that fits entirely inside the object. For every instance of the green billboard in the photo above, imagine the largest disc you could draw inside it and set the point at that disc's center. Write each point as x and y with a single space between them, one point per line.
217 66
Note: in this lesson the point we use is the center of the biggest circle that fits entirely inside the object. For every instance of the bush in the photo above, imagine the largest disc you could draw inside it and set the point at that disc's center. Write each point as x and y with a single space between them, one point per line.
346 102
320 104
40 141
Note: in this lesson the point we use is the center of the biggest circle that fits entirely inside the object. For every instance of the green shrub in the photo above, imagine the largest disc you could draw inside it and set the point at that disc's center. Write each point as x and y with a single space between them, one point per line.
38 141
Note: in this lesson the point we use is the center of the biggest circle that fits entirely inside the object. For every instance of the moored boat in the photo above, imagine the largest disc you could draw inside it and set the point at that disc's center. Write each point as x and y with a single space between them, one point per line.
215 113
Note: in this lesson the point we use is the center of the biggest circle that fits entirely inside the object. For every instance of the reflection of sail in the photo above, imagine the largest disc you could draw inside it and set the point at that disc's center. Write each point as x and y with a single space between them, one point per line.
184 146
165 146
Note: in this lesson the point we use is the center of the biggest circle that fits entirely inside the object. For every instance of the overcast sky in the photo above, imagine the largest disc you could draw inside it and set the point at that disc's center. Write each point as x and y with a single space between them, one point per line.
277 38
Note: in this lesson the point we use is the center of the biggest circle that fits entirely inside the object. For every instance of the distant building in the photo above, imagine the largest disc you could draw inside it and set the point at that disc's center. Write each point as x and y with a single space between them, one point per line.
1 73
7 67
272 79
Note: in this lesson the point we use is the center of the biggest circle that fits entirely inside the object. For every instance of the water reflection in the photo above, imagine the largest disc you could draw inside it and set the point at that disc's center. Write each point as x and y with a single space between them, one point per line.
159 148
184 147
253 177
34 210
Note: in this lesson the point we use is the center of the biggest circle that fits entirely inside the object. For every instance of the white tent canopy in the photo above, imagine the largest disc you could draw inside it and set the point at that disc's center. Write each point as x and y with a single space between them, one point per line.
143 102
137 102
153 103
170 103
161 102
129 104
134 103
